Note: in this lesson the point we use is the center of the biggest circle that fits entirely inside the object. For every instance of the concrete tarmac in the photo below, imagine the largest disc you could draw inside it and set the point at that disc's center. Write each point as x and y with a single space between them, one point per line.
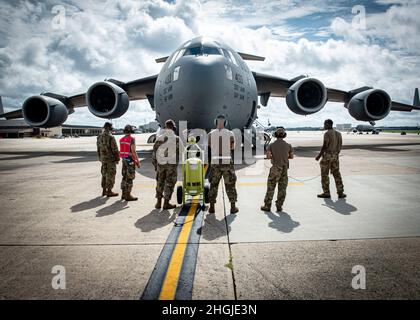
52 214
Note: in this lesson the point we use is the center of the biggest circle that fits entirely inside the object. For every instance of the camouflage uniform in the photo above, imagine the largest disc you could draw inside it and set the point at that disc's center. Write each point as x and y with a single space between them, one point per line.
221 164
327 163
281 152
165 165
166 176
277 176
227 171
128 175
330 161
108 154
128 172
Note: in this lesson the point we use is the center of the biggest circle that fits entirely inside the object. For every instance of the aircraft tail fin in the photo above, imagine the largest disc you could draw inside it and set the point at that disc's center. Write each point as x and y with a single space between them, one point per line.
416 101
1 106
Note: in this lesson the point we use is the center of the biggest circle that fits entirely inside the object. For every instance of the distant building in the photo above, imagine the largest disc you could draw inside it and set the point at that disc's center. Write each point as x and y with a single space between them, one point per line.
150 127
343 126
15 128
18 128
80 130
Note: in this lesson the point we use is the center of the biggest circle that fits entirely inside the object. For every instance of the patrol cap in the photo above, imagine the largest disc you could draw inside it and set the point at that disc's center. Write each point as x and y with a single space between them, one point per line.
108 125
170 124
128 129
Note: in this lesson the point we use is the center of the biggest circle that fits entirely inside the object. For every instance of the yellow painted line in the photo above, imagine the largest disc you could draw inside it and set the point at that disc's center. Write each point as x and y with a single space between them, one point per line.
170 283
173 272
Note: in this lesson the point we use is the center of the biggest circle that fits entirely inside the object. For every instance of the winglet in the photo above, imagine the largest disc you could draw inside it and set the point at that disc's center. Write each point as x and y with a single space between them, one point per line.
163 59
416 101
247 56
1 106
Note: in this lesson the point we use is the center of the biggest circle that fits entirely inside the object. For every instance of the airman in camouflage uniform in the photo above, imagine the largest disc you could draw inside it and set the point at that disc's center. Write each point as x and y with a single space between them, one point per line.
165 153
130 161
330 161
109 156
279 152
222 142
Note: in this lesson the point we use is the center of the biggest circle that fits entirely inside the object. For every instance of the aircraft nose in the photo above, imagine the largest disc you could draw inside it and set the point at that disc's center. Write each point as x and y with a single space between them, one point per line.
205 84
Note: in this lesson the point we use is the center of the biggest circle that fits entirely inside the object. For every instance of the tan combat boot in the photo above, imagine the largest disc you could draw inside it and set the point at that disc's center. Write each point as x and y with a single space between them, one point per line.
266 207
324 195
211 208
233 208
109 193
167 205
158 204
129 197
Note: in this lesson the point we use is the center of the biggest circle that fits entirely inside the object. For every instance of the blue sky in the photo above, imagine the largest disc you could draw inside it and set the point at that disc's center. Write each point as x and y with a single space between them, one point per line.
120 39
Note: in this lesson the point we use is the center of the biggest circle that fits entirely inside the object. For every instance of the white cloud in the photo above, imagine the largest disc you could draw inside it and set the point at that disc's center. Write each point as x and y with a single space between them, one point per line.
121 39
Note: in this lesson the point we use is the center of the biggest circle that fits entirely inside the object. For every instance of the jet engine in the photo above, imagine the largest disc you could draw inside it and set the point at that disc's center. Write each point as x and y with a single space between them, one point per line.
44 112
369 105
306 96
107 100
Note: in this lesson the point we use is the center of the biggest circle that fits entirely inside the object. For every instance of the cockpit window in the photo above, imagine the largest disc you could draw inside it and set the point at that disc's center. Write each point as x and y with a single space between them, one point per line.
211 50
193 51
175 57
201 50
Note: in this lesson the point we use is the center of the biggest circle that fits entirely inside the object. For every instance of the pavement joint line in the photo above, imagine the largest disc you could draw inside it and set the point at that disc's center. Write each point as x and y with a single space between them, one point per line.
229 245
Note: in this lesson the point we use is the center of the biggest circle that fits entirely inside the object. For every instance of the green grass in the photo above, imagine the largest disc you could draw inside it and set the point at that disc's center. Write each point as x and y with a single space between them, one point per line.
229 264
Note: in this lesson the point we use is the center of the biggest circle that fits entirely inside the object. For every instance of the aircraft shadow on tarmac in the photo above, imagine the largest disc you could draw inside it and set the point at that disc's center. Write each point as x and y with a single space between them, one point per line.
282 222
340 206
76 156
213 229
90 204
113 208
156 219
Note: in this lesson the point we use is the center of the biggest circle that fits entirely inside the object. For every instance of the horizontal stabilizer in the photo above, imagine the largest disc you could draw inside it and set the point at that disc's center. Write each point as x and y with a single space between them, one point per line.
416 101
163 59
247 56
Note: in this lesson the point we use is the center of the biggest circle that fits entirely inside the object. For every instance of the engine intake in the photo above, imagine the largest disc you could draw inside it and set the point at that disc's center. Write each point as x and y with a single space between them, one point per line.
107 100
370 105
306 96
44 112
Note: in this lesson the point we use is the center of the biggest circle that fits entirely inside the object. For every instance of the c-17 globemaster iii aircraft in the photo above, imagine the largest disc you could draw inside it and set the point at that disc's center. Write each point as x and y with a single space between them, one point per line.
200 80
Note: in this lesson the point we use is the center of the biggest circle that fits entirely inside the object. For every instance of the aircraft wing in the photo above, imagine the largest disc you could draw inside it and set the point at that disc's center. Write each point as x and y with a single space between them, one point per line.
136 90
16 114
268 85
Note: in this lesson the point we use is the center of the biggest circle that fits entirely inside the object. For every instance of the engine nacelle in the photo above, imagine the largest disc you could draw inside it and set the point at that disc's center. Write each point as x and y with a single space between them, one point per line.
370 105
107 100
306 96
44 112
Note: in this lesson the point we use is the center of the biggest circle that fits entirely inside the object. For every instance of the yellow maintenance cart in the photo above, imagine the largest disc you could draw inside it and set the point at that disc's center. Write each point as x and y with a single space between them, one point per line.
193 174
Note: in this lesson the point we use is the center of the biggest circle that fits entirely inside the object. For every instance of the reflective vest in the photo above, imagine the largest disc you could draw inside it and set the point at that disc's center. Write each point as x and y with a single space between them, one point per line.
125 146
